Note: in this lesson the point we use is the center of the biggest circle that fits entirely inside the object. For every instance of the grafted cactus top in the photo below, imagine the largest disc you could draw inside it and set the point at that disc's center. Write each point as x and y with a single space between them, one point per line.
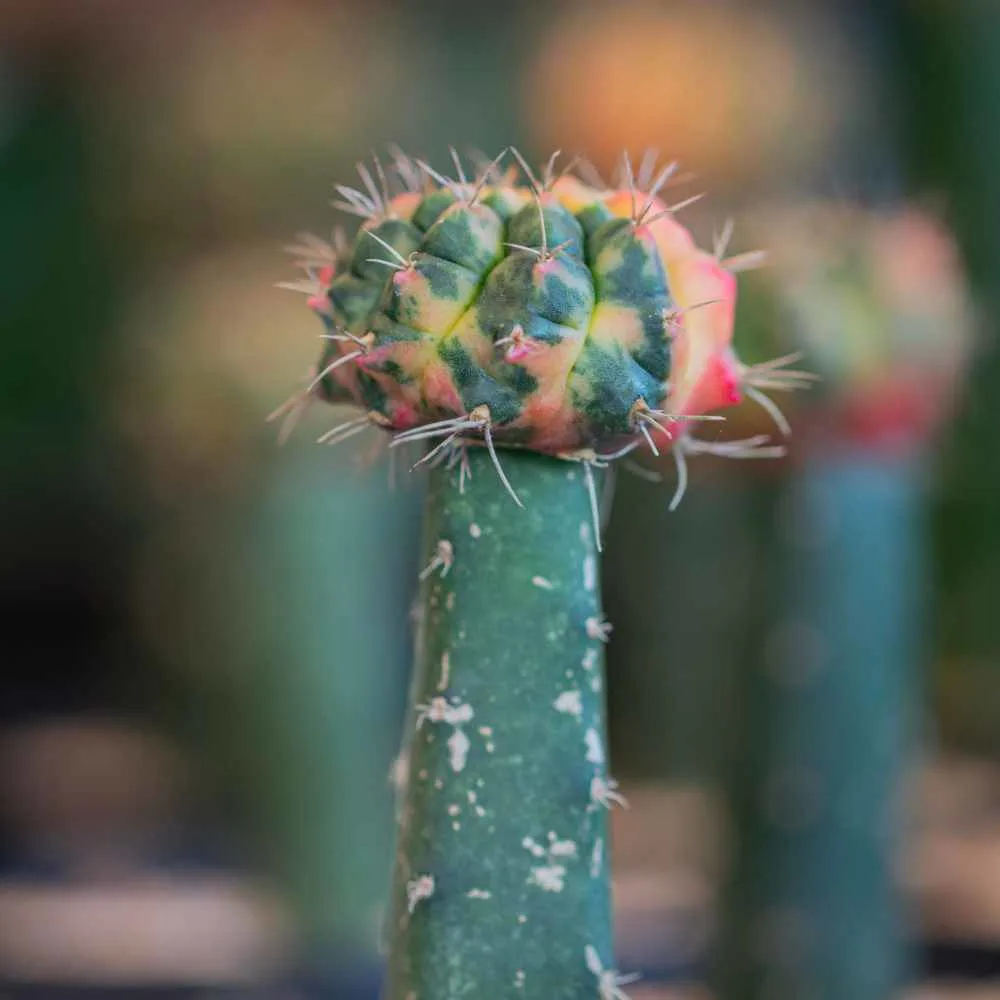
551 315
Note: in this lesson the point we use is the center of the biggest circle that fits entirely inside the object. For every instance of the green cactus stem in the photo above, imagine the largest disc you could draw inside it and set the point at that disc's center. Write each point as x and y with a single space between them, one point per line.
813 908
504 781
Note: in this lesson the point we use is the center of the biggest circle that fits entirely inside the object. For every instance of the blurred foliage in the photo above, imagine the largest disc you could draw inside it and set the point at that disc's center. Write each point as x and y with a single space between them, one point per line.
952 77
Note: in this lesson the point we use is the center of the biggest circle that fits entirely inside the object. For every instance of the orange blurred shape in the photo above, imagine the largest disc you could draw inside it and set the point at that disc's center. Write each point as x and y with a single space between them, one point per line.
720 89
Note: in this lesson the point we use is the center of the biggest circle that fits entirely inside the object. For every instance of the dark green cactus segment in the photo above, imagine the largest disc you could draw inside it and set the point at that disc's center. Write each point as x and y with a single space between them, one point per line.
446 280
505 201
544 331
628 272
401 236
605 385
388 331
373 396
353 298
501 301
521 382
561 227
431 292
521 290
476 387
468 236
591 219
432 207
501 880
563 292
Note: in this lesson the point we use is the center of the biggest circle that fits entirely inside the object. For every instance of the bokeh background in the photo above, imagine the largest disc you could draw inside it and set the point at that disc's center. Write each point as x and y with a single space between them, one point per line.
205 637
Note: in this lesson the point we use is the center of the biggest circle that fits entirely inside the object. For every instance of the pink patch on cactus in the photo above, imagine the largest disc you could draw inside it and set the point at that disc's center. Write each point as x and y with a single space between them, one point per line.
404 416
706 374
518 352
552 420
319 303
521 346
405 277
439 389
403 205
375 356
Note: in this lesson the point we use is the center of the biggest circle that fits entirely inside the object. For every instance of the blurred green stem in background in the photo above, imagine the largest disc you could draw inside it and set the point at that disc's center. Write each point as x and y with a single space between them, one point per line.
330 704
679 589
308 722
812 907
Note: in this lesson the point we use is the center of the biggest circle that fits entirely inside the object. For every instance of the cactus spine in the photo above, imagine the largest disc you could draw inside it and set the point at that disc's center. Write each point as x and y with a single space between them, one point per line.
528 333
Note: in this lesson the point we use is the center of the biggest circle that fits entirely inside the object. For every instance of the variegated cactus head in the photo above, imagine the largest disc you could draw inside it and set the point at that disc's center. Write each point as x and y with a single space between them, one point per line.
523 308
879 301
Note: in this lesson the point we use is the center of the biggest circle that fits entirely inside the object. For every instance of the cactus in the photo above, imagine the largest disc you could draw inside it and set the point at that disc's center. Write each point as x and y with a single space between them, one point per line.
878 303
531 332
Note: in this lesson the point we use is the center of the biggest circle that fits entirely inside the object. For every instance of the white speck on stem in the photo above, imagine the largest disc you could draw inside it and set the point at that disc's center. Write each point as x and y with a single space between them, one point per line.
439 709
589 660
584 532
530 844
444 557
598 628
604 792
454 809
570 703
458 750
596 856
550 878
399 771
589 573
542 583
479 894
445 671
475 530
609 981
417 889
562 849
485 730
595 748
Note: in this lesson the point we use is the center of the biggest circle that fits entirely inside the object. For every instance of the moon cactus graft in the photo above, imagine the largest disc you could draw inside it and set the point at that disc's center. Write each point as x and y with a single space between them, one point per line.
527 328
542 313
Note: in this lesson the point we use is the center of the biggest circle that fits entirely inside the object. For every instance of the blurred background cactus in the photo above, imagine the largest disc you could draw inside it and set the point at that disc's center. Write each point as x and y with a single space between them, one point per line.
166 729
831 699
